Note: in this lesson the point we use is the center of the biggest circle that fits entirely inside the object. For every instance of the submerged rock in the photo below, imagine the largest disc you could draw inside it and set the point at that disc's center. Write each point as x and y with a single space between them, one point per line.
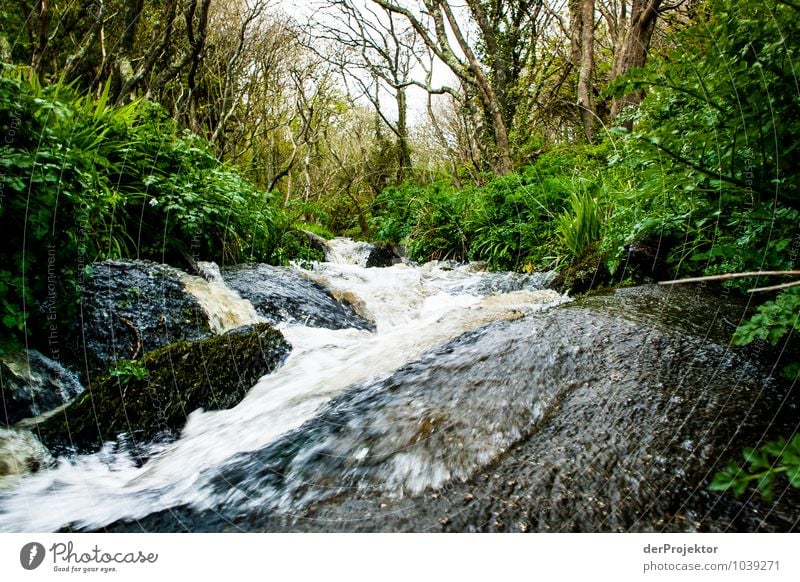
155 394
31 384
384 255
607 414
129 308
280 294
20 454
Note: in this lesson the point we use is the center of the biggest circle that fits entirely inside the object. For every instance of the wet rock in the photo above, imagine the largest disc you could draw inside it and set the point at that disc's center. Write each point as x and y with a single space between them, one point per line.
608 414
280 294
383 255
31 384
153 396
128 309
316 242
646 259
506 282
584 274
20 454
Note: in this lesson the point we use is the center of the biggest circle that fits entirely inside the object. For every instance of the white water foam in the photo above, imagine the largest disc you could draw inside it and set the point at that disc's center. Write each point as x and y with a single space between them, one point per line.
415 309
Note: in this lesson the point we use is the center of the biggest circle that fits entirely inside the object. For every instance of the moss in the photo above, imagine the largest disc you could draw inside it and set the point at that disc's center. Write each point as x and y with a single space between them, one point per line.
584 274
213 374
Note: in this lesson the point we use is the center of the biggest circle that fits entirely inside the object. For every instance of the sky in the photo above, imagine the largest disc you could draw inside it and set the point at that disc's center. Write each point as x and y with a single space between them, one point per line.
303 10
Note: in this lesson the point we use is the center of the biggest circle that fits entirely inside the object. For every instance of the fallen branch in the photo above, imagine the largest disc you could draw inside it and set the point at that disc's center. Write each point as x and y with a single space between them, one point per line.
775 287
729 276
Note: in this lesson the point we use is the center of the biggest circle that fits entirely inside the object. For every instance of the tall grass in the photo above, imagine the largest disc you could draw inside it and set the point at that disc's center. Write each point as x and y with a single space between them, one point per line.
578 227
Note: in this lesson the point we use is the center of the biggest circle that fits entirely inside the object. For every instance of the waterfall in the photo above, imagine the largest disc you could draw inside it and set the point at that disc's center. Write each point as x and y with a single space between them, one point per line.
344 251
225 308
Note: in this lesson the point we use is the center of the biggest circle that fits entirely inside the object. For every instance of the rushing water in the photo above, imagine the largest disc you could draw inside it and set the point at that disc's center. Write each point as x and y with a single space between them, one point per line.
414 310
225 307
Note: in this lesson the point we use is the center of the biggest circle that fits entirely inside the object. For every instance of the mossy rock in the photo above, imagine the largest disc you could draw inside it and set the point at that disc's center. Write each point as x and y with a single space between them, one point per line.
584 274
172 382
128 308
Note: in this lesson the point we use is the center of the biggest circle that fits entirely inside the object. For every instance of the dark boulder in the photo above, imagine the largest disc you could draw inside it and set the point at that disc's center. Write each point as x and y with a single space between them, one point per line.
281 294
155 394
646 259
31 384
129 308
384 255
608 414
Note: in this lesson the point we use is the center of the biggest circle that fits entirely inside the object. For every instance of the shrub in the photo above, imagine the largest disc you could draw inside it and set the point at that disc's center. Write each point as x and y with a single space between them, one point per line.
82 180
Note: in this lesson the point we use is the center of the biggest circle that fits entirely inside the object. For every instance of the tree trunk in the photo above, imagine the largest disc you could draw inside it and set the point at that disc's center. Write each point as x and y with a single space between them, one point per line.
123 67
639 34
39 35
437 35
585 51
404 152
501 137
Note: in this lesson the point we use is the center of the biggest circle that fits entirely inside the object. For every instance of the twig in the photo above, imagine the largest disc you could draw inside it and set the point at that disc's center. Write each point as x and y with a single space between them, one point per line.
135 335
774 287
728 276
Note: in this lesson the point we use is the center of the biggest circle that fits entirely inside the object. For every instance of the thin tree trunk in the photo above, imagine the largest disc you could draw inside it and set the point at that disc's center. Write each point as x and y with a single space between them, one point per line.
404 152
123 69
40 36
639 34
468 69
585 100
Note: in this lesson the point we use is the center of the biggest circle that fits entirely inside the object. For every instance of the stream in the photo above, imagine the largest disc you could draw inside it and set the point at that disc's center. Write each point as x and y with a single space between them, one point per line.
410 311
442 397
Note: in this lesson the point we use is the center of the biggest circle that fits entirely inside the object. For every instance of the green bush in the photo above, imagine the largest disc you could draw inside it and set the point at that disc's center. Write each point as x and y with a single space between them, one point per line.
429 220
81 181
511 219
507 221
715 137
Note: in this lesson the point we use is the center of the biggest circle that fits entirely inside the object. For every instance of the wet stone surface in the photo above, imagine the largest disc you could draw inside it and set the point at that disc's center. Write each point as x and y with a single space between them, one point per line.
608 414
128 309
32 384
282 294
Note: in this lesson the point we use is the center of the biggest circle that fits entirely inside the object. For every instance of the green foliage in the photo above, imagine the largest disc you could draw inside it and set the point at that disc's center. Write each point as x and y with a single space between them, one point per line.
579 226
439 231
82 180
773 321
508 221
128 370
511 218
428 219
714 139
762 466
317 229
